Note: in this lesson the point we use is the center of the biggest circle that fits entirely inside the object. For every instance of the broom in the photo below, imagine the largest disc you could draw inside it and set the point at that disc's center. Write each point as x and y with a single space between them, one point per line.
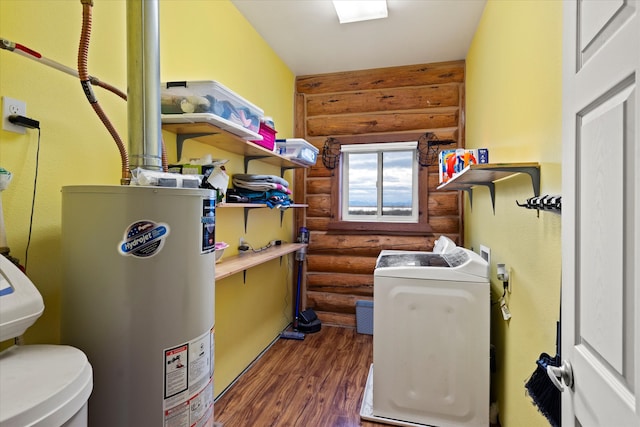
540 388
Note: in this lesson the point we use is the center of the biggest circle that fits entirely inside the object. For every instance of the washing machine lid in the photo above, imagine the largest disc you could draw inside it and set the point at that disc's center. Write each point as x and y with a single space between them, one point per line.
386 255
411 259
43 385
444 244
459 264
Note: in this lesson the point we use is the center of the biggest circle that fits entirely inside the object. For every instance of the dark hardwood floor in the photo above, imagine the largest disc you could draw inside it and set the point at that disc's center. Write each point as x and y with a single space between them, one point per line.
316 382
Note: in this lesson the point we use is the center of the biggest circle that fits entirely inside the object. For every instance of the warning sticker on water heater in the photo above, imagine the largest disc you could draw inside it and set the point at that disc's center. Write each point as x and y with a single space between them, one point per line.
188 383
143 239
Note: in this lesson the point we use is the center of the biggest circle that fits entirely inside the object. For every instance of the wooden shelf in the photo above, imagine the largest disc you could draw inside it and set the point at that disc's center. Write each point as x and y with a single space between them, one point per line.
235 264
212 135
486 174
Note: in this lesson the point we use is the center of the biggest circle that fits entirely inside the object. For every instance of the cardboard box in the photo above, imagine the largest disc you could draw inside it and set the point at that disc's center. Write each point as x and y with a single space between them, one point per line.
483 155
452 162
446 165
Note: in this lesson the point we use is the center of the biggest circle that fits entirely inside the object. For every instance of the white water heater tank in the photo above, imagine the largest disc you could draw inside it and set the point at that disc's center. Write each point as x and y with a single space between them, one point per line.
138 299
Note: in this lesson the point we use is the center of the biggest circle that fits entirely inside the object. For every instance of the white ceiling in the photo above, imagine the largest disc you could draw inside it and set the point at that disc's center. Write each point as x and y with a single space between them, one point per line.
307 36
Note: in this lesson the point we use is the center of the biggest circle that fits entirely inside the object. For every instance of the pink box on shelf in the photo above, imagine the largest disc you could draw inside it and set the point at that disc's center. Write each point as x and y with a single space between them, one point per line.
268 137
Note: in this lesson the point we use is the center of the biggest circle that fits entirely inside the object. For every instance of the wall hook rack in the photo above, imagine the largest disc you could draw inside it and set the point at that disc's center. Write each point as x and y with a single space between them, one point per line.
544 203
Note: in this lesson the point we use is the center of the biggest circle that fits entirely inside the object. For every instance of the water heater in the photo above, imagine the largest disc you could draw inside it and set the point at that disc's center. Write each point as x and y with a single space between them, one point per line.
138 298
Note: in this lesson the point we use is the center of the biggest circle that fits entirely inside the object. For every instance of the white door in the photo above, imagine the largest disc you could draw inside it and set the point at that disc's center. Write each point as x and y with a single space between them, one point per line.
601 212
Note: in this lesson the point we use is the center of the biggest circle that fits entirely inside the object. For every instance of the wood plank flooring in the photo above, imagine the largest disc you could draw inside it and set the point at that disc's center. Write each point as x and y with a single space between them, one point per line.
316 382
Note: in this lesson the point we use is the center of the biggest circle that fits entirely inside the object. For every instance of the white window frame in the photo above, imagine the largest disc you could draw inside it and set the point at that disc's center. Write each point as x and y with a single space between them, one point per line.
380 148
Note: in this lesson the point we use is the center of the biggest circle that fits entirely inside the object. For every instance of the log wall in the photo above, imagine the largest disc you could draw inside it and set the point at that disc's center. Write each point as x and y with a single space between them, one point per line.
404 102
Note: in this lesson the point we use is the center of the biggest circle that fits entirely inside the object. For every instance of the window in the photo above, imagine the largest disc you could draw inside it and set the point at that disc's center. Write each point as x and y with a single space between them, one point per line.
386 188
380 182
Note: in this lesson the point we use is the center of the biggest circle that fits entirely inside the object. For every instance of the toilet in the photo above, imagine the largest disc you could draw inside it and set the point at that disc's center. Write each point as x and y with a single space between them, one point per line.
40 385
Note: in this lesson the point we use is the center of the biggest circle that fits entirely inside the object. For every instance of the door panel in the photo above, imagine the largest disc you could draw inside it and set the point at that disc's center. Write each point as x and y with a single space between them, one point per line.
601 212
598 21
601 133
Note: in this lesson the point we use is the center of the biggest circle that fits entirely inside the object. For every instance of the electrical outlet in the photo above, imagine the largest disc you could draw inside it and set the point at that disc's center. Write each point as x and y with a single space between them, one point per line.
485 253
10 107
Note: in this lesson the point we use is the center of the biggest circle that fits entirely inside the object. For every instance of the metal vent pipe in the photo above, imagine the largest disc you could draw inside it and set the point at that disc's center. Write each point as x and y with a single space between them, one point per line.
143 84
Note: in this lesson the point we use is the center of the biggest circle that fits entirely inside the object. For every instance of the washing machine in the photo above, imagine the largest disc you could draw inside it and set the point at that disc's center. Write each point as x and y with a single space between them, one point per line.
40 385
431 357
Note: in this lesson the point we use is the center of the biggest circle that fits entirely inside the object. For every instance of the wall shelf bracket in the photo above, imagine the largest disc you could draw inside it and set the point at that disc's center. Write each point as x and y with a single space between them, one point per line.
532 171
492 191
181 137
246 215
283 169
469 191
247 159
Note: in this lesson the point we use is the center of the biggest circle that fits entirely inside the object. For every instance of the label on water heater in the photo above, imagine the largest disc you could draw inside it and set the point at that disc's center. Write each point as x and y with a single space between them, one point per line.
208 221
143 239
188 383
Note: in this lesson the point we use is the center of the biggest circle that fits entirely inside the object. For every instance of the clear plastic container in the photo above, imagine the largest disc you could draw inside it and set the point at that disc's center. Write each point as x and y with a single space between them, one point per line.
211 97
298 150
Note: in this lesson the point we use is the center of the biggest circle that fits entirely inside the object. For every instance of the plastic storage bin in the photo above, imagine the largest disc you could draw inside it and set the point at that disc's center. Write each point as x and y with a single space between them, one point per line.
364 317
298 150
209 96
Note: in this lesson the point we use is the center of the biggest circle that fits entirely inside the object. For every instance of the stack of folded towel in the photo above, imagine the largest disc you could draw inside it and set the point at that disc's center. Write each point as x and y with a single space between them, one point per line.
269 189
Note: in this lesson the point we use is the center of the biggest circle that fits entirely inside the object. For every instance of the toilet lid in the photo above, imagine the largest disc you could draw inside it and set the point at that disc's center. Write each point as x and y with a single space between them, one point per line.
43 384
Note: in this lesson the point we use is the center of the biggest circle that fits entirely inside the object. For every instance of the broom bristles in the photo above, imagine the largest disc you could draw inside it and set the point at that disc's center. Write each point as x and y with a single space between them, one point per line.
545 395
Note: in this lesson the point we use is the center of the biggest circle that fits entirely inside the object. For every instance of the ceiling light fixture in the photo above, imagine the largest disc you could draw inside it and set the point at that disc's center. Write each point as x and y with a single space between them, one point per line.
360 10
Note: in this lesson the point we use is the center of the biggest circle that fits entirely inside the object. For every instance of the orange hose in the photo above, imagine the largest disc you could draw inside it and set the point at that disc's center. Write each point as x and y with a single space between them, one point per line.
85 80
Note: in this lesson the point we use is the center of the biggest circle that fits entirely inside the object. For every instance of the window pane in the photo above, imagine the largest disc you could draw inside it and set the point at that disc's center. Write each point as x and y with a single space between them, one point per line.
363 171
397 178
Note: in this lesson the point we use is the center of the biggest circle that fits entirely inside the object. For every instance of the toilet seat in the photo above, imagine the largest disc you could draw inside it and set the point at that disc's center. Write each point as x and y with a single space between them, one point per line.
43 385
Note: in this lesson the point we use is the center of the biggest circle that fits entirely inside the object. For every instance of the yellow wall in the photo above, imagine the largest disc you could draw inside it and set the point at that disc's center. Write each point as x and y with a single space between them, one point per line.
513 108
199 40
